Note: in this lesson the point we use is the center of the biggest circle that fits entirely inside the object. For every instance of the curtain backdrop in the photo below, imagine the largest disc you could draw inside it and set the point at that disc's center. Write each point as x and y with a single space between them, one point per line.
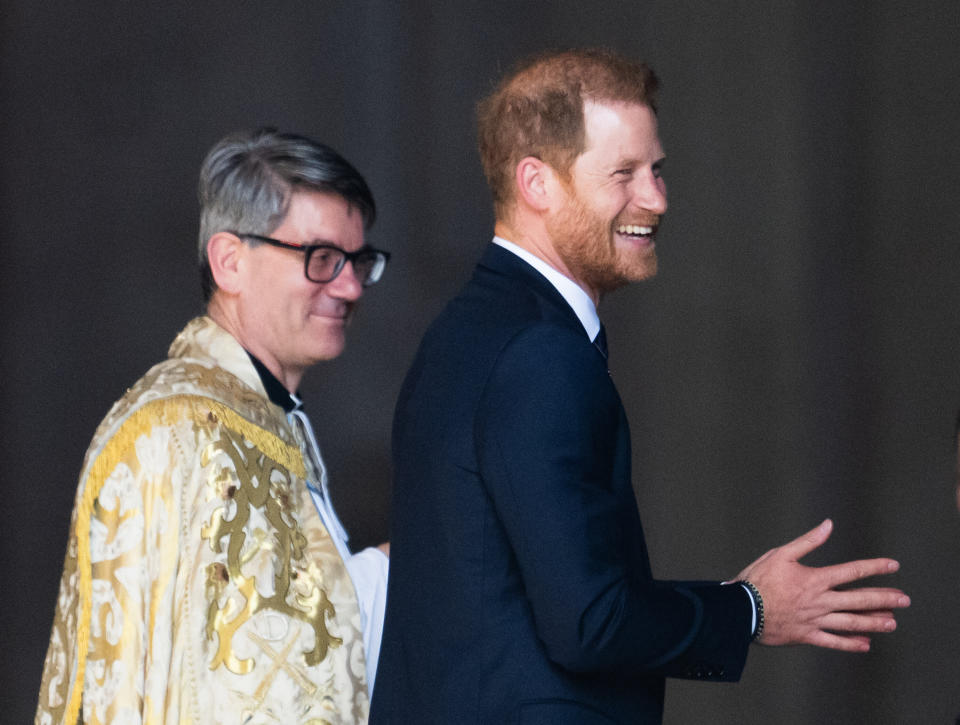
796 358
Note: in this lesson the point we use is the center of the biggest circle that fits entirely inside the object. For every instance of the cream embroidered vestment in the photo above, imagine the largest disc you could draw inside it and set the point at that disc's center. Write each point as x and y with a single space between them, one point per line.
200 585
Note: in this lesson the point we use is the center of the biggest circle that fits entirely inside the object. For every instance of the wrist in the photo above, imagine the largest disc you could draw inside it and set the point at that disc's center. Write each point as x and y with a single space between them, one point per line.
758 608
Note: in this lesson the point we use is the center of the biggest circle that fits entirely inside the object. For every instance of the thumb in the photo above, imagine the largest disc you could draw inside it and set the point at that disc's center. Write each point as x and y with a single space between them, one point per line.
803 545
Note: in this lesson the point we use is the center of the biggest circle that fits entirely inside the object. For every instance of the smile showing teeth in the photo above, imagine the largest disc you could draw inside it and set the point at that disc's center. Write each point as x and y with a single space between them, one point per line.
636 230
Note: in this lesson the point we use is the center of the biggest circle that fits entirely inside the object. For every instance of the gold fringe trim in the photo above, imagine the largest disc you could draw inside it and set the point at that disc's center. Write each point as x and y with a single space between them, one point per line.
166 411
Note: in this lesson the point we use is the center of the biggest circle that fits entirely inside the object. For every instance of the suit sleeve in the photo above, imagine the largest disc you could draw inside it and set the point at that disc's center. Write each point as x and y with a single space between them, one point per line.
549 431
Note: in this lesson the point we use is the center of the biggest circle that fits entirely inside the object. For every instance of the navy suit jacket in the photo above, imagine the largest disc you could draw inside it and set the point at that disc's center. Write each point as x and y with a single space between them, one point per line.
520 590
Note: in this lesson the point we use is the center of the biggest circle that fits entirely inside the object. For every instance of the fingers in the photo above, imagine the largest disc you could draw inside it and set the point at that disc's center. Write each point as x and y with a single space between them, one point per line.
845 643
877 613
850 622
851 571
857 600
803 545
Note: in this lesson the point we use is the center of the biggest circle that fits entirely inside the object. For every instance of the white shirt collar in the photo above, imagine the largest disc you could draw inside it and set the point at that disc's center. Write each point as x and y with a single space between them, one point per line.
573 293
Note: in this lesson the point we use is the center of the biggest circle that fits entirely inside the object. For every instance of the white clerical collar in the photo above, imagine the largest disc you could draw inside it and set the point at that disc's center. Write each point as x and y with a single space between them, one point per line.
573 293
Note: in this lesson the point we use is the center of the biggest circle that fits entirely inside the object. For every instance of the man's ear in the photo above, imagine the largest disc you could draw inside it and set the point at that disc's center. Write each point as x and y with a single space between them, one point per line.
535 181
225 252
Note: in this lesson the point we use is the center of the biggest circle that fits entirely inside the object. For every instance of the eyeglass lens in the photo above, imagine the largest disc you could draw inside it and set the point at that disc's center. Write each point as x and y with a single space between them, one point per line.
325 263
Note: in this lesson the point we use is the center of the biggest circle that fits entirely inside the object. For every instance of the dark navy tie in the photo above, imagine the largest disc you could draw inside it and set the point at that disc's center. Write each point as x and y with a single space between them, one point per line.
601 342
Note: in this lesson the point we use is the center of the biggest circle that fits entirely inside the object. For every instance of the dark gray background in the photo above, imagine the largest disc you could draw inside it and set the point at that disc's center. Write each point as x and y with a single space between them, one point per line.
797 357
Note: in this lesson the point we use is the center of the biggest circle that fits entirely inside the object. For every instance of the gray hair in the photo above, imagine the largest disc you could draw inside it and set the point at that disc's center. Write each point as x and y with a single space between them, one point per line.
247 179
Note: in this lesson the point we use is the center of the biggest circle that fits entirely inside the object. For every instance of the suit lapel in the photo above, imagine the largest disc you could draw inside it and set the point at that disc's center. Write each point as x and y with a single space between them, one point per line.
501 262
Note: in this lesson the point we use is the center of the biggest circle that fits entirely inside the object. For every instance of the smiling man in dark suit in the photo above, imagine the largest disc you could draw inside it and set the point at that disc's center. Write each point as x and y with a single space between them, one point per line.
520 588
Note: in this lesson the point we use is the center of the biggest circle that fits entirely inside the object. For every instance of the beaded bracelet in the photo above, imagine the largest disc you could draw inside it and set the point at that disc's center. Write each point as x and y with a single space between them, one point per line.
759 601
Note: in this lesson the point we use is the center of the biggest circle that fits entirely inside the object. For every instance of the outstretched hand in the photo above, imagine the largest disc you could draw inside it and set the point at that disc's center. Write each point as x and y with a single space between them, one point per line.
803 606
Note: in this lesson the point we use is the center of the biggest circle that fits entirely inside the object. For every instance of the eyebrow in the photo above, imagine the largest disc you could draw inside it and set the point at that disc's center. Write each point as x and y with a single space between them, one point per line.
624 161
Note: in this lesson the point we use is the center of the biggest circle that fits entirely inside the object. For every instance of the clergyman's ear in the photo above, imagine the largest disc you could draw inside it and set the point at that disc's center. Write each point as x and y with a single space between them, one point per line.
225 252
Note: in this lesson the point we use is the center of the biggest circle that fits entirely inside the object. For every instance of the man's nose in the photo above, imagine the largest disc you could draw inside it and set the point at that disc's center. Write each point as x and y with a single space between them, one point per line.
651 194
346 285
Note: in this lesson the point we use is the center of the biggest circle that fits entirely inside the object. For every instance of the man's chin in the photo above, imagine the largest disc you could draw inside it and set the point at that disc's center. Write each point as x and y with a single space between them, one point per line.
639 267
649 271
632 273
330 347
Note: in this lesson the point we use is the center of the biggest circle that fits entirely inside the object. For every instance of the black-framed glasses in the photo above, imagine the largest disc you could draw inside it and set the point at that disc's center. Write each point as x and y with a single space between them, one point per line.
323 262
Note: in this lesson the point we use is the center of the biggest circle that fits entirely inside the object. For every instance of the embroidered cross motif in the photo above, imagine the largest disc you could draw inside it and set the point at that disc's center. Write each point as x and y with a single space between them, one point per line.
280 662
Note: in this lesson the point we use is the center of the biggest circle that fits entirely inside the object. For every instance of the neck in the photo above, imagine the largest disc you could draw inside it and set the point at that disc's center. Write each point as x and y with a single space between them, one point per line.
225 315
540 245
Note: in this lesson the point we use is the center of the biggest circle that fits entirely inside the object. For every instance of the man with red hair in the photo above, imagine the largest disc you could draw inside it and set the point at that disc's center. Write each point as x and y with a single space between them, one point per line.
520 588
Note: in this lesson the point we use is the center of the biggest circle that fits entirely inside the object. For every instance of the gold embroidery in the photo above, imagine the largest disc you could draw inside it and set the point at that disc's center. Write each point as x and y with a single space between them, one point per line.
158 412
55 685
261 485
127 585
207 383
